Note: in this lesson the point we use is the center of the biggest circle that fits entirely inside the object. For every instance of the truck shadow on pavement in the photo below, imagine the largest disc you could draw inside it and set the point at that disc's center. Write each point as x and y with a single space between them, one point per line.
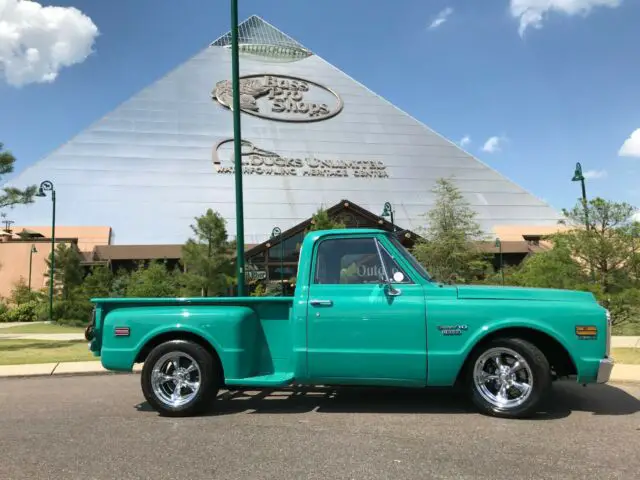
565 398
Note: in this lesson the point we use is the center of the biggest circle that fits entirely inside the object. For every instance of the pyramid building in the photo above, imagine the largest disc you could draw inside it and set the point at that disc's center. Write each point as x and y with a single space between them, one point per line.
311 137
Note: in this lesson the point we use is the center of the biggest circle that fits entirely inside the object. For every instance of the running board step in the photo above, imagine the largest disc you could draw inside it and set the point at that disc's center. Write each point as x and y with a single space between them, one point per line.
280 379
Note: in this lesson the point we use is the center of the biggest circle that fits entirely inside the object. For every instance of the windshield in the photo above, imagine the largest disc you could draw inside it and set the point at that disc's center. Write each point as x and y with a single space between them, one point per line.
410 258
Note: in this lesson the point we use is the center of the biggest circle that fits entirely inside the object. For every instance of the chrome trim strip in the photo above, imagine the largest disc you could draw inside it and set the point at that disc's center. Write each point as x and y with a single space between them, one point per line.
608 346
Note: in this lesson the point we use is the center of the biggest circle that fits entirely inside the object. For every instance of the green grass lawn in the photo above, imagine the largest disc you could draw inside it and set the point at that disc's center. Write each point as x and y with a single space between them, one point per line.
42 328
17 352
626 355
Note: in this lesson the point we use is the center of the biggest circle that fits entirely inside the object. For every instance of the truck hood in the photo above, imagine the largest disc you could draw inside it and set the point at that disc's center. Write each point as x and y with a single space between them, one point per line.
490 292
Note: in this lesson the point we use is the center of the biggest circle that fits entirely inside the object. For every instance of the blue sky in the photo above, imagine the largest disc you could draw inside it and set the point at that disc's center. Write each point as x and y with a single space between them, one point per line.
566 90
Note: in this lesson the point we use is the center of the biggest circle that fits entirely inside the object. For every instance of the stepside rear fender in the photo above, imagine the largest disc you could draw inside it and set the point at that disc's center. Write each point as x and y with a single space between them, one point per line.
233 331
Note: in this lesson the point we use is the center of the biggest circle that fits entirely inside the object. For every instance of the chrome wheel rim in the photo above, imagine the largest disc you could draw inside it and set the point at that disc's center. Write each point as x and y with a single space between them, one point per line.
175 379
503 378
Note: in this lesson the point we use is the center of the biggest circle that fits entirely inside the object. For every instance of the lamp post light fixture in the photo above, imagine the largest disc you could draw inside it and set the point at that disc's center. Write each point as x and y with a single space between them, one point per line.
7 225
579 177
45 187
235 83
277 233
388 212
31 252
499 247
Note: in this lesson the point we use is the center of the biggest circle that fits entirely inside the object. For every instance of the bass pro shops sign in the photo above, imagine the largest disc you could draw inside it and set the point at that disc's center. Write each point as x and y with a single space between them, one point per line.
281 97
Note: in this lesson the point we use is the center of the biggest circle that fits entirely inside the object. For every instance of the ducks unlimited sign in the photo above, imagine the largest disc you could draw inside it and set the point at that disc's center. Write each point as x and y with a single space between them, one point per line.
258 161
281 97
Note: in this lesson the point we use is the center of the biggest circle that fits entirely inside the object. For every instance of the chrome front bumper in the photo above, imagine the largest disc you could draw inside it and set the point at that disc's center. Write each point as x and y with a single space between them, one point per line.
604 370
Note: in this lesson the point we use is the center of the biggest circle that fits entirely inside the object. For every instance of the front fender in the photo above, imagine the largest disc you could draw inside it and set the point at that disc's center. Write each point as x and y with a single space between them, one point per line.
504 324
230 330
446 359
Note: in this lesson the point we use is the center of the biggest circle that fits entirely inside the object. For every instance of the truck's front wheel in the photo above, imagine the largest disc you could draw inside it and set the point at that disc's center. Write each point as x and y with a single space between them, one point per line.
179 378
508 377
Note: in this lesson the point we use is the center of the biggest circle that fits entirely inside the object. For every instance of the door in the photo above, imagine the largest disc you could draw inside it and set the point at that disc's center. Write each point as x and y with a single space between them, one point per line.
362 329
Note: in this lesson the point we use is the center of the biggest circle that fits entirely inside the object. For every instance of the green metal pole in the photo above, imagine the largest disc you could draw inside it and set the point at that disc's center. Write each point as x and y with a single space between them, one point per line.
235 80
30 264
53 256
584 203
501 264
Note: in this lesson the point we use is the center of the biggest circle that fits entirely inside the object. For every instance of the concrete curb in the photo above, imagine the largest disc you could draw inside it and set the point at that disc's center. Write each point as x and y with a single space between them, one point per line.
621 373
59 369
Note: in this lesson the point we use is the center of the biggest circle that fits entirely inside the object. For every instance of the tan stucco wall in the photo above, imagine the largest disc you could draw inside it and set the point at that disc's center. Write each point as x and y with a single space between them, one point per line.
14 264
14 255
508 233
88 237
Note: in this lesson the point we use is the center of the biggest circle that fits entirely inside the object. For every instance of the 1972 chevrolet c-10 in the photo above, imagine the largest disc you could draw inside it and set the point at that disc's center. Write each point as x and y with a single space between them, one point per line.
364 312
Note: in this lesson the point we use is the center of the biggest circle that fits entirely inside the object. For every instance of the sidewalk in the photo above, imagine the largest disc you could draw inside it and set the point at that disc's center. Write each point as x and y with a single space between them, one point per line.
60 368
55 337
621 373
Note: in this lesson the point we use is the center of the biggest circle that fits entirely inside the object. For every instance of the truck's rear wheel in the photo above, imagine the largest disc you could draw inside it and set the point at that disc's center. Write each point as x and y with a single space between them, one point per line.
508 377
179 378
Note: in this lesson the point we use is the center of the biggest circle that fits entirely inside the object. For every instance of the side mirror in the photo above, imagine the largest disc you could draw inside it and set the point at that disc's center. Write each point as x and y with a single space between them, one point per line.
386 283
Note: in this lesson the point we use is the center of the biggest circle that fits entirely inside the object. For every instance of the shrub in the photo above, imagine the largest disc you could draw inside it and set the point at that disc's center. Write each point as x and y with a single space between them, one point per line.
3 311
74 312
25 312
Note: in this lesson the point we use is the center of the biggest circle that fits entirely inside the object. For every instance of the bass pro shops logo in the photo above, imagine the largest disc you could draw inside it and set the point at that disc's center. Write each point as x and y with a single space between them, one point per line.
281 97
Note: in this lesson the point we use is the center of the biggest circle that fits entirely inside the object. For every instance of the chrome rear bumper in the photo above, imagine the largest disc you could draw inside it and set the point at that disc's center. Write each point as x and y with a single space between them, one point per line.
604 370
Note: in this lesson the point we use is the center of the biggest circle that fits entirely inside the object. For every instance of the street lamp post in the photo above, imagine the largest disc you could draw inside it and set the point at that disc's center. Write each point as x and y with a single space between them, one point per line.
277 233
499 247
33 250
45 187
235 82
579 177
388 212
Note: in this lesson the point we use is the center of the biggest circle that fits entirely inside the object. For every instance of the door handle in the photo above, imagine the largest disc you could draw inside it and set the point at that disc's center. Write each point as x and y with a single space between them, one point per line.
321 303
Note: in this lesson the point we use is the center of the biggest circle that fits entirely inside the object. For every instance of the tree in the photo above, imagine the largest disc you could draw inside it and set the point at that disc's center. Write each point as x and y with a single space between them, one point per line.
10 196
553 268
449 248
208 257
322 221
154 280
98 283
607 248
21 293
68 274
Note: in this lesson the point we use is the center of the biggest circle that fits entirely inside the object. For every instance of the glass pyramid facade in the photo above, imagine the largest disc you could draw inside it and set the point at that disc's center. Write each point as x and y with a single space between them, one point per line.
311 137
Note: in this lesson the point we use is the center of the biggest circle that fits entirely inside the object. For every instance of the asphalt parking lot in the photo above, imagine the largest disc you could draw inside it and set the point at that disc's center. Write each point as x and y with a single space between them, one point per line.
99 427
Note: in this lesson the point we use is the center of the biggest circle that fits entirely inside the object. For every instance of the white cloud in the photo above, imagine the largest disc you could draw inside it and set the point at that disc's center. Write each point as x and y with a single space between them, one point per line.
492 145
636 217
442 17
532 12
466 140
37 42
593 174
631 146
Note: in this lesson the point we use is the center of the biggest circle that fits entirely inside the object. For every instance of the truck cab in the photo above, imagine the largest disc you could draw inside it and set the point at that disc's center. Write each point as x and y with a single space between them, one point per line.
364 312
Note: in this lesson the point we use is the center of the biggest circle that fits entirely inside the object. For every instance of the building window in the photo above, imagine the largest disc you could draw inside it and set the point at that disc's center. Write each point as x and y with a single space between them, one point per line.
291 249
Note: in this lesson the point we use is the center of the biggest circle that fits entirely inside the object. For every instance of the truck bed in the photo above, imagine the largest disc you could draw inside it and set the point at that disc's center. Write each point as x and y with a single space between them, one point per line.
252 335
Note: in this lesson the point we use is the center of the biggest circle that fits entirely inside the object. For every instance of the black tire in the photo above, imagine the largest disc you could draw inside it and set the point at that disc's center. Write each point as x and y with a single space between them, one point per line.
210 378
538 371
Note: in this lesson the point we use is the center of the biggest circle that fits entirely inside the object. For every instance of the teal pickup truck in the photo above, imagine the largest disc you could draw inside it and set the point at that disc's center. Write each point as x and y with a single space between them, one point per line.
364 312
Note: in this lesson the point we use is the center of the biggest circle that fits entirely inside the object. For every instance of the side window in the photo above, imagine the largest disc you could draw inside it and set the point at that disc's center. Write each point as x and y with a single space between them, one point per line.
348 261
392 267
